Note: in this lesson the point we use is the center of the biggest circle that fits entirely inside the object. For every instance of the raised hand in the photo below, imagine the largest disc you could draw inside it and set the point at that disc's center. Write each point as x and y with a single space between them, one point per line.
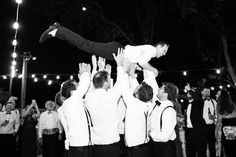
108 68
94 63
101 63
83 67
119 57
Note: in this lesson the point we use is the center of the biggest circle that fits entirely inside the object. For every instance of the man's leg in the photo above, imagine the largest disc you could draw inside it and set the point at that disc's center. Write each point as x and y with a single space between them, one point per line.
211 140
104 50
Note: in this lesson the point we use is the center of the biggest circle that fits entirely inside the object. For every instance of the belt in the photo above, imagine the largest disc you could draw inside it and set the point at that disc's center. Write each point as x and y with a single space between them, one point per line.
50 131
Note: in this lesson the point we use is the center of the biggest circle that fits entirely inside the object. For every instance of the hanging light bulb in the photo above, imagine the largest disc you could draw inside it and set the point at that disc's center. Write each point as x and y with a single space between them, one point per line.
14 42
18 1
44 76
58 77
84 8
49 82
15 25
71 77
218 71
14 55
184 73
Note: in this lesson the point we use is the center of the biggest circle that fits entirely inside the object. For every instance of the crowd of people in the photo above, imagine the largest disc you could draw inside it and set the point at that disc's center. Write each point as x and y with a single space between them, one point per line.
102 116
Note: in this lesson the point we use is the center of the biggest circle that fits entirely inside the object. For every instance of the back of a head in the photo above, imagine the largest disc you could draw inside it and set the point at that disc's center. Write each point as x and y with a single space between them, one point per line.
58 99
172 91
145 92
99 79
67 87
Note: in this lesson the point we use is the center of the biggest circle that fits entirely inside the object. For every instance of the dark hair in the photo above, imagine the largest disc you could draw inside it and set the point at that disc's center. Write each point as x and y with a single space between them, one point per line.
58 99
4 96
145 92
162 43
225 103
172 91
67 87
100 78
205 86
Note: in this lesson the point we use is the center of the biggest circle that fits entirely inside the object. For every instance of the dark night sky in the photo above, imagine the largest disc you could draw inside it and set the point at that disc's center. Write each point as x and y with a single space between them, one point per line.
57 57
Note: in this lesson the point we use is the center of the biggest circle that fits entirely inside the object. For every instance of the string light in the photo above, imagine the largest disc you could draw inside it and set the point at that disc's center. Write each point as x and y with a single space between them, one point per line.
18 1
212 88
218 71
14 43
228 85
33 75
44 76
49 82
58 77
15 25
14 55
35 79
71 77
185 73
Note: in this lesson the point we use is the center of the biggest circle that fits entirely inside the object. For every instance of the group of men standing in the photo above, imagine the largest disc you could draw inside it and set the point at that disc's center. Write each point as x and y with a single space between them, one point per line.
92 113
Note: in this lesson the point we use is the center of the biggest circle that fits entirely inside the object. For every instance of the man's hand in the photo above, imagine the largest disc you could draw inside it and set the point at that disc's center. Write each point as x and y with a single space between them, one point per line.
132 70
83 67
108 69
126 65
119 57
101 63
4 123
94 63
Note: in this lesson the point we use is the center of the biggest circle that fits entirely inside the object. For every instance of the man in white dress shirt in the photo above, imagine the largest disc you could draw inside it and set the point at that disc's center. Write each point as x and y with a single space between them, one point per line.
77 120
49 130
140 54
209 115
9 125
137 116
163 119
102 103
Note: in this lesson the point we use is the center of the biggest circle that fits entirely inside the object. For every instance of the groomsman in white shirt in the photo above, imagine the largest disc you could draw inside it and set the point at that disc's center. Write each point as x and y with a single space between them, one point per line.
102 103
77 119
163 119
137 103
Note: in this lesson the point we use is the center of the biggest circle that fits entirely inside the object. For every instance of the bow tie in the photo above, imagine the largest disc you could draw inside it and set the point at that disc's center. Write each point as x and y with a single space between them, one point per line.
158 102
208 99
8 112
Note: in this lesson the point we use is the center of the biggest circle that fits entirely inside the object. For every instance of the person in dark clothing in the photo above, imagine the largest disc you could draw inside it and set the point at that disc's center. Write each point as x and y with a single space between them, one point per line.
196 126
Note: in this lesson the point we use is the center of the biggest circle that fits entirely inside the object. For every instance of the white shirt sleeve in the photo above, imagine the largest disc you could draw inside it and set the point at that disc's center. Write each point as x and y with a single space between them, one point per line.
150 79
41 121
83 86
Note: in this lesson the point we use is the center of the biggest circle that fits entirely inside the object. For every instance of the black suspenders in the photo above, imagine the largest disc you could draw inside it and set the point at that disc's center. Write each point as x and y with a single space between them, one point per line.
90 124
162 114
